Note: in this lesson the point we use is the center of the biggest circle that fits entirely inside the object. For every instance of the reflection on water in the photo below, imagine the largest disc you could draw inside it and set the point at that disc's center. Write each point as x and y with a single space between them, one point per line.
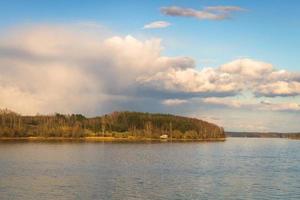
235 169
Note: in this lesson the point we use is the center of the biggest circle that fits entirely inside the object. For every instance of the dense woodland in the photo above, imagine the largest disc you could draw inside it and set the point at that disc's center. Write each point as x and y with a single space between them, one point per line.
116 124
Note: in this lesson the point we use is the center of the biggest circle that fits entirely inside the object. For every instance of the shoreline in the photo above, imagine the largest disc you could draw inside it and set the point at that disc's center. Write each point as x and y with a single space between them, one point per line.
104 139
289 138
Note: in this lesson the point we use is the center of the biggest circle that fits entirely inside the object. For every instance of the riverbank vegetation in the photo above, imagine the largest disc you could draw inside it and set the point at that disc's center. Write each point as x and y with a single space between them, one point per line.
134 125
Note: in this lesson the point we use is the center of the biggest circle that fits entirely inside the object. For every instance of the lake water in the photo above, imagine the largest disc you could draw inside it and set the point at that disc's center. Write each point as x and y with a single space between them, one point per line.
240 168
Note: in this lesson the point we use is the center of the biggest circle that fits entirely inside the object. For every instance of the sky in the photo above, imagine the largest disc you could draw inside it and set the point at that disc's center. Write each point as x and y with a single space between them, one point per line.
230 62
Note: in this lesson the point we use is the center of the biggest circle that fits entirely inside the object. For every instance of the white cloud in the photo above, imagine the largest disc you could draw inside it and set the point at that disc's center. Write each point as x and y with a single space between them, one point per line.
208 13
157 25
278 88
280 106
207 81
174 102
242 75
223 101
254 105
248 68
52 68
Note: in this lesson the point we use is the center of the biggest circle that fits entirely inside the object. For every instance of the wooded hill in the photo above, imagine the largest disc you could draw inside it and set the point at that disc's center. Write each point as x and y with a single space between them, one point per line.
116 124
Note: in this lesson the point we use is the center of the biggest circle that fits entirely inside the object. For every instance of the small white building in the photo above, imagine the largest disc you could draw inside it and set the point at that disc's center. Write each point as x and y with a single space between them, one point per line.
163 137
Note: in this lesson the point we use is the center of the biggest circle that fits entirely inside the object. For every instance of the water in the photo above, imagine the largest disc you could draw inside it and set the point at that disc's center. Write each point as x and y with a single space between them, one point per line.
235 169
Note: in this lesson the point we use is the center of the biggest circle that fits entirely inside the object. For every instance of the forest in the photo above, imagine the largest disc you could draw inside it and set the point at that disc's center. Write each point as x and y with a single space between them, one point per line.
116 124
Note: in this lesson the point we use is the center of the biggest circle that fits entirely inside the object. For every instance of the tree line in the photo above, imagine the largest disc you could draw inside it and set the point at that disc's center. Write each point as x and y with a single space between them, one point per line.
264 135
116 124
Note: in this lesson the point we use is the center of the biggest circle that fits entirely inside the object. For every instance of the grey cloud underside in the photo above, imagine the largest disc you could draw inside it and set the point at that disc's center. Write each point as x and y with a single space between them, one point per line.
149 91
208 13
49 69
13 52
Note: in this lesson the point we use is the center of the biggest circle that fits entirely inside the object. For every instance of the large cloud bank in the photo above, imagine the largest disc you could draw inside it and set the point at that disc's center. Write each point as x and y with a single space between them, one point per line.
50 68
230 79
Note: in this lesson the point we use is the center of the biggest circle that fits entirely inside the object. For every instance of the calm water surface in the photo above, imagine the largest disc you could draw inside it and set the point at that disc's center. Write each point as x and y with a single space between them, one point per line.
235 169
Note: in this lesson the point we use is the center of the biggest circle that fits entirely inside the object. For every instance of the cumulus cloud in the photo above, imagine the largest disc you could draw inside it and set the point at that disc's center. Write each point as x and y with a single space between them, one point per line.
200 83
208 13
279 88
247 68
157 25
242 75
49 68
52 68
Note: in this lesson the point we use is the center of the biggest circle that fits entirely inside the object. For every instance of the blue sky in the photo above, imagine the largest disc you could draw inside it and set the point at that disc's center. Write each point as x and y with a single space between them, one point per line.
231 70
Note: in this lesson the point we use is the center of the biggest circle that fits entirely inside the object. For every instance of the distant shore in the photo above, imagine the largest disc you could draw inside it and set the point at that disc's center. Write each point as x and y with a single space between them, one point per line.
106 139
295 136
